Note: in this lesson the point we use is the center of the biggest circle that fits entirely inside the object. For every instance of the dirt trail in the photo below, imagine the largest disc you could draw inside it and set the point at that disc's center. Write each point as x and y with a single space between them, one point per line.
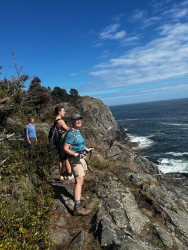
65 226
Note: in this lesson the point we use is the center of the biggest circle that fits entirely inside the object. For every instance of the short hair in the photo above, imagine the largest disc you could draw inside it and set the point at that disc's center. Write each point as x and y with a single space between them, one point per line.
30 118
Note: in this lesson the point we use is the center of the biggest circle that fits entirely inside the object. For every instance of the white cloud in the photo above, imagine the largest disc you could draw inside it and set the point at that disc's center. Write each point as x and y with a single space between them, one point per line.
119 35
130 40
73 74
117 18
184 3
161 59
98 44
151 20
175 13
137 15
110 32
143 92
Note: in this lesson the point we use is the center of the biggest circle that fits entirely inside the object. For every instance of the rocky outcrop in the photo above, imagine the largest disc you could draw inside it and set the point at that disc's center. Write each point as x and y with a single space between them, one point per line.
98 124
157 219
140 208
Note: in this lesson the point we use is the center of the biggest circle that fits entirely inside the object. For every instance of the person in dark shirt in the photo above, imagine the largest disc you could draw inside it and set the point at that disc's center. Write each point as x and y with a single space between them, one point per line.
61 126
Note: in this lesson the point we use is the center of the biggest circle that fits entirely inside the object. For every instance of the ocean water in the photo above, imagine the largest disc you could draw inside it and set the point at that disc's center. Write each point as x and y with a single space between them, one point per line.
160 128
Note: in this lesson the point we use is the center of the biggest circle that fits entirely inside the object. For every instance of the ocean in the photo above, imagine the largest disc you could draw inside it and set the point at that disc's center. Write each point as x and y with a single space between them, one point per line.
160 128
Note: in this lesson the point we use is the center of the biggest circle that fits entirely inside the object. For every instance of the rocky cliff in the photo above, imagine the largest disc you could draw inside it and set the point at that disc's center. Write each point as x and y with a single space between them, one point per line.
139 208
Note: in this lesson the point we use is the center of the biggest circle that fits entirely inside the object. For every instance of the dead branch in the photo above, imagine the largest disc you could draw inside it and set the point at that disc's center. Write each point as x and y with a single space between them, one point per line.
6 99
16 65
7 137
2 163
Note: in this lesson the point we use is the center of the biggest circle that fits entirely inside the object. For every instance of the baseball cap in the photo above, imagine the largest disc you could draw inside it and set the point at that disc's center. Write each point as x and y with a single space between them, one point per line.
76 116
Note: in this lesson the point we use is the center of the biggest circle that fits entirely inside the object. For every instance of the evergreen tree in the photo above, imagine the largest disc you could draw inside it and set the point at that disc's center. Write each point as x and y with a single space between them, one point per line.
59 95
74 93
37 95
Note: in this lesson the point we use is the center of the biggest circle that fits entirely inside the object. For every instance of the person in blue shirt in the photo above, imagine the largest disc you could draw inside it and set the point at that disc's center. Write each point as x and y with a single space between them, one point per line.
31 133
74 147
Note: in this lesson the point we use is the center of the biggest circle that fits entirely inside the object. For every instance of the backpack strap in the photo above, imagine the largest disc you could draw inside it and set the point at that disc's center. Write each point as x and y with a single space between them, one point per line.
55 123
74 136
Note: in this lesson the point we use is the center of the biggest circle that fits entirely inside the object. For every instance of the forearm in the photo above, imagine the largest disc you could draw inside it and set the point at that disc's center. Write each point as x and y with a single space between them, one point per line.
69 152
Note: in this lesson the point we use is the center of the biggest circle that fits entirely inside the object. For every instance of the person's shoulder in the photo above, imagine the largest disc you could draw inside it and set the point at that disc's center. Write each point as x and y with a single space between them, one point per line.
61 121
70 131
73 131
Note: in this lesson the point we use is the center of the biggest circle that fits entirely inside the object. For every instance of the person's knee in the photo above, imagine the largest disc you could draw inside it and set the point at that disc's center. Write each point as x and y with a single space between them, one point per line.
80 180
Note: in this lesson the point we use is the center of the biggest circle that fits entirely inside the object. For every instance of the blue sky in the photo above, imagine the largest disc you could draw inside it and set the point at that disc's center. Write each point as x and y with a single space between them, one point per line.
116 50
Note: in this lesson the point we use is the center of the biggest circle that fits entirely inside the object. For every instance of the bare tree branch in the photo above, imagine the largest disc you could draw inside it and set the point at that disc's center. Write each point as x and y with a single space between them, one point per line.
4 100
18 70
2 163
7 137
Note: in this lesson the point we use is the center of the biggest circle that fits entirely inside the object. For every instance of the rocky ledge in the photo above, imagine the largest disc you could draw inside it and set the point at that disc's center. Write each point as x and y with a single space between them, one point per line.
147 212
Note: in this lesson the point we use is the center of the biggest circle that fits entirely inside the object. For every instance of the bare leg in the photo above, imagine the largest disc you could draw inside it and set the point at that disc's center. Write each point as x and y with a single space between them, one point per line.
61 167
78 188
68 166
78 209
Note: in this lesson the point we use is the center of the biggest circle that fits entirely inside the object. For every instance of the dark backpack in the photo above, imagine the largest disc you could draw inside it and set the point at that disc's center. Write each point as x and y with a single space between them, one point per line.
53 135
62 142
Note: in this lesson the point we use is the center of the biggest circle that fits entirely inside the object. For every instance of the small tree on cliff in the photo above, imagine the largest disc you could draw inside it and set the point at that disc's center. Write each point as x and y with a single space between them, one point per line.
59 95
37 95
74 94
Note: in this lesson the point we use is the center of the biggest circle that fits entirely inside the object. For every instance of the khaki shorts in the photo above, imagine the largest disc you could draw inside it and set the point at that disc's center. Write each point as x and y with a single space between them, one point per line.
78 166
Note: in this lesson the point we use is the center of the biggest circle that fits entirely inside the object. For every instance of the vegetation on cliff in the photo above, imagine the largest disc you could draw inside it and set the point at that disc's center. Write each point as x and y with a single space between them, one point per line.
26 198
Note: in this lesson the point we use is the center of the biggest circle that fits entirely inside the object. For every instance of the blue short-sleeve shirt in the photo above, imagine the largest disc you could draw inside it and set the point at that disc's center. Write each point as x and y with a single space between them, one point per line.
78 144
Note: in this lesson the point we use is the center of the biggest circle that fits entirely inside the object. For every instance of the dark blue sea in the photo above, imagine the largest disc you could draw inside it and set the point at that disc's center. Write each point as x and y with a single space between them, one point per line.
160 128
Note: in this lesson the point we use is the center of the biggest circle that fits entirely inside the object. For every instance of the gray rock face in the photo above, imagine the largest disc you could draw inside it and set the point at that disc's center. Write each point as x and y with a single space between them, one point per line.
121 224
43 126
13 120
60 237
61 222
119 214
98 122
164 235
78 241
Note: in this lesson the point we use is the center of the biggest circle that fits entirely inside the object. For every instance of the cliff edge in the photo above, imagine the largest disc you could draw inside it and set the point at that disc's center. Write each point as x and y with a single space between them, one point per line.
139 208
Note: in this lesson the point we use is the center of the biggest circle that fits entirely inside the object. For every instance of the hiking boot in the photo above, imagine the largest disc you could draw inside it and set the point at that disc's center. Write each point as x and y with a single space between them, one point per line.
61 178
80 211
69 177
84 198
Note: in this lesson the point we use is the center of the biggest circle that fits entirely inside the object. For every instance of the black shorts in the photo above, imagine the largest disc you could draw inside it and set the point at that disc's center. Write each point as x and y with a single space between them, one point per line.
63 156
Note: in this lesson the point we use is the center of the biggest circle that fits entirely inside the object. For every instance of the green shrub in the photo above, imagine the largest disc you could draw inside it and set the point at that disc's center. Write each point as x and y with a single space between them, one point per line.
26 197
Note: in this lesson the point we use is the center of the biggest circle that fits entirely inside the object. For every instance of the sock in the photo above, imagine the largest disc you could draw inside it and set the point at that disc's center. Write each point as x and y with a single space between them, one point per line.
69 174
77 202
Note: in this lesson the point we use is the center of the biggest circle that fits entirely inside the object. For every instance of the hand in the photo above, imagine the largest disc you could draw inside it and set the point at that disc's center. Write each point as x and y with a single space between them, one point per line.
29 142
82 156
